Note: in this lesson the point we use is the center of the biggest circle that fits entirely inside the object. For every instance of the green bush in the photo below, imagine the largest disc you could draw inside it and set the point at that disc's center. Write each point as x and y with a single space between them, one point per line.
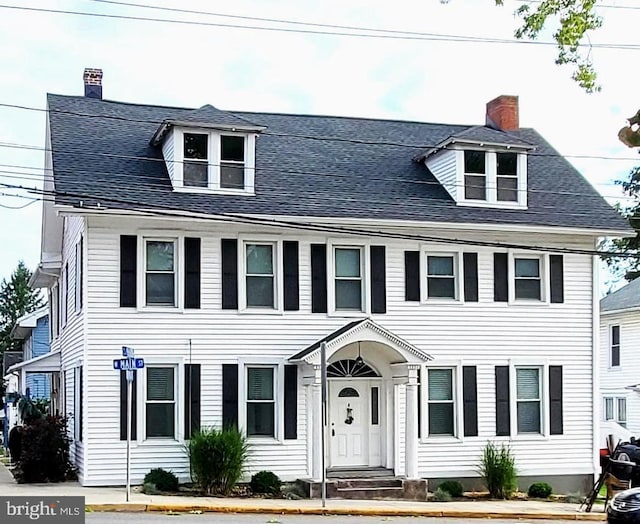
498 469
453 487
266 482
163 480
45 452
441 495
217 459
539 490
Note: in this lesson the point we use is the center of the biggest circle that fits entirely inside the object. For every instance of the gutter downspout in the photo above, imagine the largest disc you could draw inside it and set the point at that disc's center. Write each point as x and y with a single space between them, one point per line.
596 363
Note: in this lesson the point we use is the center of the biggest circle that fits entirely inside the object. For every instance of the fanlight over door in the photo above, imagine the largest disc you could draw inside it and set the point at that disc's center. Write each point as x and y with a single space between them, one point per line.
350 368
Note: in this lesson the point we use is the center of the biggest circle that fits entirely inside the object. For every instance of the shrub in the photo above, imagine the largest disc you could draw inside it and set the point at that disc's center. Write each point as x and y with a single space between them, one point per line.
266 482
45 452
441 495
217 459
539 490
163 480
498 469
453 487
150 489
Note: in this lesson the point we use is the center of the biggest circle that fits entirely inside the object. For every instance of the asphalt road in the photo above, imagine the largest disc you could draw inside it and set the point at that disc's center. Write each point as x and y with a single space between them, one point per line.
248 518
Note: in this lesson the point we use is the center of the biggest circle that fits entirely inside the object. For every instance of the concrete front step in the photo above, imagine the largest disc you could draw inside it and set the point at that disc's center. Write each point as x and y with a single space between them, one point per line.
382 482
367 489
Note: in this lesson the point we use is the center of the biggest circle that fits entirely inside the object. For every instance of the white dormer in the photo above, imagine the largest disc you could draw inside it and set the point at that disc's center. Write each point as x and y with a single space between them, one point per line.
477 174
203 157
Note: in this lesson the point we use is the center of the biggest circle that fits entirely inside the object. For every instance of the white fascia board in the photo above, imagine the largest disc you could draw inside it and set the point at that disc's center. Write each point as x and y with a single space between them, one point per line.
617 311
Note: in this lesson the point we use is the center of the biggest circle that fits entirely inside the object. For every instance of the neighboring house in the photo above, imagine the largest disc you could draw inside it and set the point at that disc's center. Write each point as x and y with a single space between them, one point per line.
33 330
619 350
448 269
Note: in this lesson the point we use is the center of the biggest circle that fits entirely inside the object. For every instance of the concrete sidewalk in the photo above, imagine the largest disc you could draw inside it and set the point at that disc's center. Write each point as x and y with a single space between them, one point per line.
113 499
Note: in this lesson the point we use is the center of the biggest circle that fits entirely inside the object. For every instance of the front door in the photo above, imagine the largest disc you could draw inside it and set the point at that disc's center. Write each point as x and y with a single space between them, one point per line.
348 422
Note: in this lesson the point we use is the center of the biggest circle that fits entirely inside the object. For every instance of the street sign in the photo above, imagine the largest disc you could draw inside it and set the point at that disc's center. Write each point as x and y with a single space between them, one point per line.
127 364
127 352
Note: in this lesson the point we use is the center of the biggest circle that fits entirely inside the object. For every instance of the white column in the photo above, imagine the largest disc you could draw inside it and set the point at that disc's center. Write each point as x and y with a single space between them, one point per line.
411 424
316 407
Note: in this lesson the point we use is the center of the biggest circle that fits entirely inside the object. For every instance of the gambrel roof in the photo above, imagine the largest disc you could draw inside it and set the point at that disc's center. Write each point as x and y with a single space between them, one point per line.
311 166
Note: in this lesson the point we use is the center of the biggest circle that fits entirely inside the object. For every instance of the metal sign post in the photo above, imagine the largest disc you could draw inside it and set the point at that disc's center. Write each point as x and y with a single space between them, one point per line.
323 390
129 364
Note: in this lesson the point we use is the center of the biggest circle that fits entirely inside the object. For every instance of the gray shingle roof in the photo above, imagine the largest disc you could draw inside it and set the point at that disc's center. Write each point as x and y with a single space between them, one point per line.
625 297
319 166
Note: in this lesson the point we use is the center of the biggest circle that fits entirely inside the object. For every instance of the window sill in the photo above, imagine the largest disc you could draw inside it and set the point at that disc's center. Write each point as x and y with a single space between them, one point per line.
529 437
214 191
496 205
528 302
259 311
614 368
268 441
159 309
347 313
442 302
159 442
441 439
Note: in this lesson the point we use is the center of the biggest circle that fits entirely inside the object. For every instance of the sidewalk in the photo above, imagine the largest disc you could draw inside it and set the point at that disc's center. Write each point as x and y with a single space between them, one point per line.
113 499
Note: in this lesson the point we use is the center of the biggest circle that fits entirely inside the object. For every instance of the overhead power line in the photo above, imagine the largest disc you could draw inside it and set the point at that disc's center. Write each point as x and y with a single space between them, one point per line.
377 35
167 211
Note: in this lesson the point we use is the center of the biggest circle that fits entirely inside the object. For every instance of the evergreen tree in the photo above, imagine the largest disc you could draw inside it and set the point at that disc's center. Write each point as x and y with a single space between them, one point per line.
16 299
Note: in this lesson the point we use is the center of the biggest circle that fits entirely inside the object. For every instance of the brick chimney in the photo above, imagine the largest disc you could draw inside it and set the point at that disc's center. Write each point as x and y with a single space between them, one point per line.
92 82
502 113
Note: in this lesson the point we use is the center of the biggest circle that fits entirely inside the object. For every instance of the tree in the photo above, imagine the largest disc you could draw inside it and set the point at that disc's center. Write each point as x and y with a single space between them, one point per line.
575 18
16 299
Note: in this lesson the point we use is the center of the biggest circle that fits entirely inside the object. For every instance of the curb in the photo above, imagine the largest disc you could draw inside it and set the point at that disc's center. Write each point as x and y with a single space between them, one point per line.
364 512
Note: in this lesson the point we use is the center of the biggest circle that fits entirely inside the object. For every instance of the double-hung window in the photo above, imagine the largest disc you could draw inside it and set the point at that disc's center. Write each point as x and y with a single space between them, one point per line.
441 276
261 401
441 403
475 175
528 400
348 275
614 344
160 402
507 177
528 278
260 284
160 272
196 160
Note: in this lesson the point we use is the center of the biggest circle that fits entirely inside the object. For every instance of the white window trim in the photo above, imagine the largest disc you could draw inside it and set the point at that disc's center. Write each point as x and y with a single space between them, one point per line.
55 311
457 269
213 159
278 377
64 296
610 347
278 269
365 265
178 253
545 423
178 401
77 403
491 179
458 413
545 280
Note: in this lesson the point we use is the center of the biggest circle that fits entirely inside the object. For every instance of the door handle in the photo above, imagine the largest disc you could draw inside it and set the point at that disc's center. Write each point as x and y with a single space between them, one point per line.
333 432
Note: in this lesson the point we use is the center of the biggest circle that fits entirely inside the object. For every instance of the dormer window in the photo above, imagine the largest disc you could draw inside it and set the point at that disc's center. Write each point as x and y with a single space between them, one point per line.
201 160
495 178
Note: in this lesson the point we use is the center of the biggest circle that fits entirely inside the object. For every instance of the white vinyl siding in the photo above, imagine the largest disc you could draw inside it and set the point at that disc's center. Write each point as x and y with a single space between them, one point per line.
443 166
561 334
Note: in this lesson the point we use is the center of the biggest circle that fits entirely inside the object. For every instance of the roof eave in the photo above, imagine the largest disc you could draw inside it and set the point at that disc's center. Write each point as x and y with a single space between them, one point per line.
476 143
167 124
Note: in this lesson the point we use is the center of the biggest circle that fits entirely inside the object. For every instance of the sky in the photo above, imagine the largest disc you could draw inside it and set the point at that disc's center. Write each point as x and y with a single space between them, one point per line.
186 65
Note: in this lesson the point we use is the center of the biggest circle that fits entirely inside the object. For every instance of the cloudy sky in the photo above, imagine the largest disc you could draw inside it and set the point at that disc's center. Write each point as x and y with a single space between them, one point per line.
420 77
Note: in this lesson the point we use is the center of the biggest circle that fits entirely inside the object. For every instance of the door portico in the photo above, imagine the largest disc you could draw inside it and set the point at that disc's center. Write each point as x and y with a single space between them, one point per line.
362 429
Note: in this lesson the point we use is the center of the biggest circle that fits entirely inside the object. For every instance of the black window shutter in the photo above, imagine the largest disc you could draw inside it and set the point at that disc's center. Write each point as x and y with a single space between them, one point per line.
291 402
229 273
555 400
291 278
191 399
556 263
470 263
503 414
128 268
318 278
229 395
123 406
470 401
500 277
412 276
378 280
192 273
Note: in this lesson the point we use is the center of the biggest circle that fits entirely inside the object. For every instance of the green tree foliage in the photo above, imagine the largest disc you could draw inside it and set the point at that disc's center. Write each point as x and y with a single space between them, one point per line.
575 19
16 300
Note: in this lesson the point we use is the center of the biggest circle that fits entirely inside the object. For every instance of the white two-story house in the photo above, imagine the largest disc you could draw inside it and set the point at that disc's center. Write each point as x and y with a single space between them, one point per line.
619 366
449 269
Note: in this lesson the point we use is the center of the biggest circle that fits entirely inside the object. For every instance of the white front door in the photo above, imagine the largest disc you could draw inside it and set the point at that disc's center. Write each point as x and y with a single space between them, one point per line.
349 422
